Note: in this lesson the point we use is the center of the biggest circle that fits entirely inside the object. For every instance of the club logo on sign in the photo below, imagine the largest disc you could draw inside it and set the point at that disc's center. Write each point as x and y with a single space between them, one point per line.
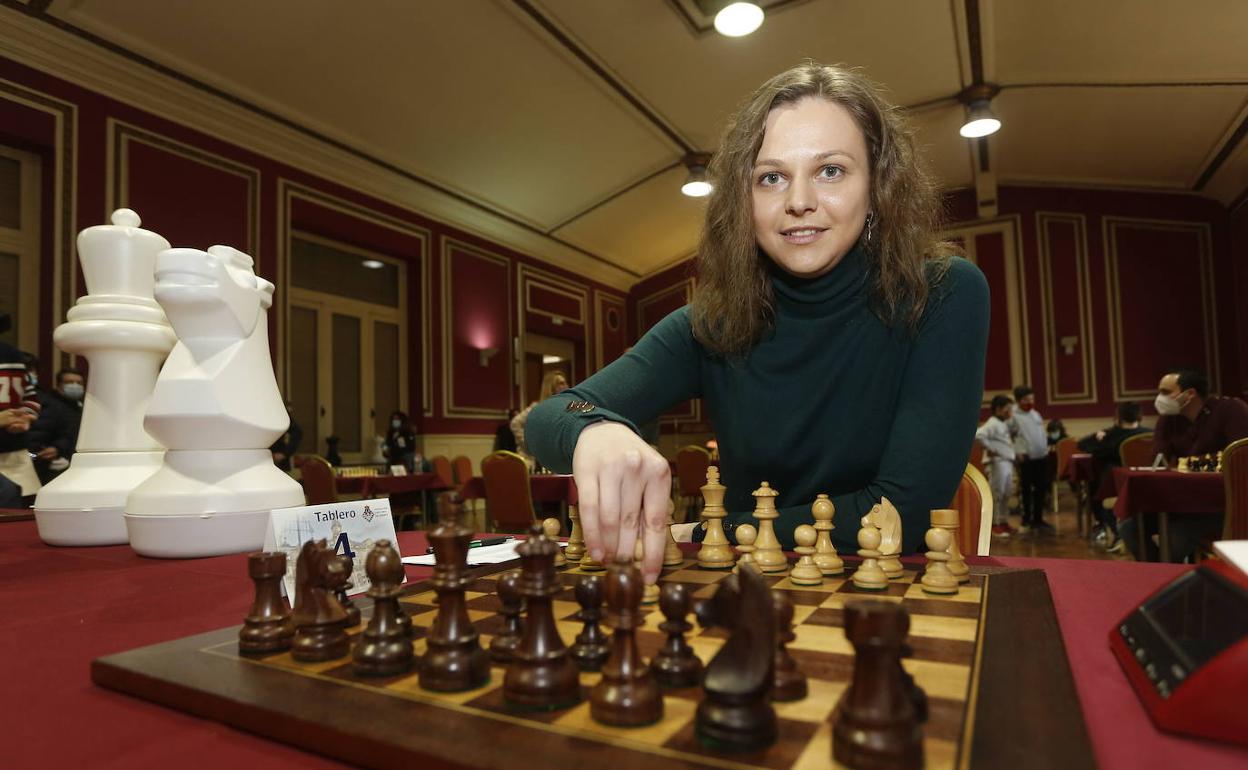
368 514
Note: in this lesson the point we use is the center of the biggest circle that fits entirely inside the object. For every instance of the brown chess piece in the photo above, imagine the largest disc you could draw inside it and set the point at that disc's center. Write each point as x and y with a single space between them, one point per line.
454 659
320 633
676 665
790 682
875 724
384 648
542 675
268 626
627 695
736 713
590 650
503 645
353 612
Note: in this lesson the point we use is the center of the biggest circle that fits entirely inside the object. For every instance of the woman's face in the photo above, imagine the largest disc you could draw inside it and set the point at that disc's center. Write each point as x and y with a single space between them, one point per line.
811 186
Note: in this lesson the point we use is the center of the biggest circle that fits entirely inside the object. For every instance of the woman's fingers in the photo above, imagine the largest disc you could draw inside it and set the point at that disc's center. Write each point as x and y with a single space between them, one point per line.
631 482
655 503
609 509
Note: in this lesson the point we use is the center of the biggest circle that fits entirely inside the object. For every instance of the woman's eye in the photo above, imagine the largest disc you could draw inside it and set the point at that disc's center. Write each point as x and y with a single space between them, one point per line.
770 178
831 172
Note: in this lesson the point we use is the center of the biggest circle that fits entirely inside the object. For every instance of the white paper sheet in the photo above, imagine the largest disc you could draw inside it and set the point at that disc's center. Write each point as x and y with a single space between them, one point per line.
490 554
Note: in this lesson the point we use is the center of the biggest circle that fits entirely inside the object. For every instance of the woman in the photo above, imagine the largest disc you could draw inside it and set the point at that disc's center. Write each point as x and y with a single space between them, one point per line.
400 445
553 384
836 344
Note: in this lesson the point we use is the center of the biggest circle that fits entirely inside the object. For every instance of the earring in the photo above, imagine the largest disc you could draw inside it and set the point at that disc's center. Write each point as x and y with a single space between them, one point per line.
869 230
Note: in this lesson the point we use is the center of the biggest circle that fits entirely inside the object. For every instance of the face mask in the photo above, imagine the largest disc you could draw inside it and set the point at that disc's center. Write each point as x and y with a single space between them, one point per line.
396 424
73 390
1026 407
1055 434
1167 405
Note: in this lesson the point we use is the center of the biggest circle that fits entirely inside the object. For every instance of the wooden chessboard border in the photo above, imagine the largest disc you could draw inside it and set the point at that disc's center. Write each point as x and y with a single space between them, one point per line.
1022 708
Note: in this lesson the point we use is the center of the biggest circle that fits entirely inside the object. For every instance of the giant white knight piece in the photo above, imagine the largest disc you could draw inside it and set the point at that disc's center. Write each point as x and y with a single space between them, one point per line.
121 330
217 409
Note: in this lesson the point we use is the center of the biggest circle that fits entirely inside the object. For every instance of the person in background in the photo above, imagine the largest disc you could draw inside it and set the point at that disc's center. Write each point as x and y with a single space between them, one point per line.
1056 431
287 445
994 436
552 384
400 446
504 439
1103 446
1031 448
54 435
1192 422
18 411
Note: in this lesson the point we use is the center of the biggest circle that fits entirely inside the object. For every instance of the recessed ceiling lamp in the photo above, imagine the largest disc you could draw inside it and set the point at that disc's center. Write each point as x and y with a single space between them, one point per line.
373 264
697 184
738 19
980 119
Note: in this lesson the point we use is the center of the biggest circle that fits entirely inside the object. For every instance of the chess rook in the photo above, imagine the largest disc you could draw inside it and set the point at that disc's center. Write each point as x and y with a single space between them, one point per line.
268 627
124 334
715 552
454 659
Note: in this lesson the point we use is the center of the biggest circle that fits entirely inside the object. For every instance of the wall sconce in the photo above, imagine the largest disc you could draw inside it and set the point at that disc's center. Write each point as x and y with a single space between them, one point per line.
485 354
1068 344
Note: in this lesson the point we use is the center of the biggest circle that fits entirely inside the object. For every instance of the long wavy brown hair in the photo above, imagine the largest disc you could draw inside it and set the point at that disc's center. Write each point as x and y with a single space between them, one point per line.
732 303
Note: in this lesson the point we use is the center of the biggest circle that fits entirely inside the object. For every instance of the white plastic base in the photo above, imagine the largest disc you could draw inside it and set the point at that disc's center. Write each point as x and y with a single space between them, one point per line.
84 505
208 503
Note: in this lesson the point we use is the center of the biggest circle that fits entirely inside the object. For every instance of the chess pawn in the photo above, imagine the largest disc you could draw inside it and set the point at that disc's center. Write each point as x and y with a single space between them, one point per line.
650 591
746 534
588 564
121 330
805 572
268 626
384 648
217 410
551 527
590 650
790 682
542 675
715 552
937 579
767 552
576 538
676 665
672 557
947 519
504 643
627 695
454 659
1185 464
869 576
826 557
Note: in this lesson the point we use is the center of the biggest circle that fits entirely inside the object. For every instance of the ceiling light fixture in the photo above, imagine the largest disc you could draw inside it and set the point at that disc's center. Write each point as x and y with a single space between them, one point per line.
373 264
738 19
980 119
697 183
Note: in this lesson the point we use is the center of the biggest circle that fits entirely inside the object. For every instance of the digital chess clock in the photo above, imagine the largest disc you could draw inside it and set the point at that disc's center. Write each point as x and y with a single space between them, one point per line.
1185 651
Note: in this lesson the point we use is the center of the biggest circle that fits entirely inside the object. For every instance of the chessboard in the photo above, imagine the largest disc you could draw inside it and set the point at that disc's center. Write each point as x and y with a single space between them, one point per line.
990 658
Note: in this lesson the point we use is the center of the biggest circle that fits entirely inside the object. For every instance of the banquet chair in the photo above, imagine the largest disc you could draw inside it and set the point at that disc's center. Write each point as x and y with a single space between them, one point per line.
442 467
317 478
977 455
1064 449
691 464
1137 451
508 496
462 467
1235 478
973 502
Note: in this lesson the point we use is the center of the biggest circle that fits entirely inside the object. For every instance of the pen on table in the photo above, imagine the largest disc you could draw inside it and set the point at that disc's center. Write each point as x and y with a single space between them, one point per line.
482 542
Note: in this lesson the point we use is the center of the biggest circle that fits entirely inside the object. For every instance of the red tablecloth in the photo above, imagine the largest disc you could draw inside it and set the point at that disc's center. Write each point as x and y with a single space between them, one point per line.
372 486
1080 467
545 487
63 607
1142 491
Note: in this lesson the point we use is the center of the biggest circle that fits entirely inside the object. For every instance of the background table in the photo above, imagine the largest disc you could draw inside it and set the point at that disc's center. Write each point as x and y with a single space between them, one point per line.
1141 491
63 607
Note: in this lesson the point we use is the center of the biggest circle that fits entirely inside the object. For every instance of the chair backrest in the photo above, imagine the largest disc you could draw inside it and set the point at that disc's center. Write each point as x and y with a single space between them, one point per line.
463 470
691 464
977 454
507 492
1065 448
442 467
1235 477
973 502
317 477
1137 451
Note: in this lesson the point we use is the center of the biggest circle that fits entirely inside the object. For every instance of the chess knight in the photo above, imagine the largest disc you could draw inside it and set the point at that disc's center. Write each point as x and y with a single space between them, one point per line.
216 408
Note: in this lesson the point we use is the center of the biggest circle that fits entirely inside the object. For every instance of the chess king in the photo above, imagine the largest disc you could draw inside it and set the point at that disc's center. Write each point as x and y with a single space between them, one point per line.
216 408
118 327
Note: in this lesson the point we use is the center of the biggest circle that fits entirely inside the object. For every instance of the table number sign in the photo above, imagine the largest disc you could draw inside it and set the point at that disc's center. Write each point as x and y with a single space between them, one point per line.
352 529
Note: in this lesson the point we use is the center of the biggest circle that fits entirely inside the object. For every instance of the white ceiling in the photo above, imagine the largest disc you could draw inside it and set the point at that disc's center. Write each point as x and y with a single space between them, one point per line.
489 98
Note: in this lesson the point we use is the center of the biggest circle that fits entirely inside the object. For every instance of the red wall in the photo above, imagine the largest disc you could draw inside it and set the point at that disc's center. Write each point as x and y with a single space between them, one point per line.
649 302
1172 261
197 190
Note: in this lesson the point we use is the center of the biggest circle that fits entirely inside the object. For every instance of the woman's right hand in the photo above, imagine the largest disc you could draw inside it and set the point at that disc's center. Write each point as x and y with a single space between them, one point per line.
624 487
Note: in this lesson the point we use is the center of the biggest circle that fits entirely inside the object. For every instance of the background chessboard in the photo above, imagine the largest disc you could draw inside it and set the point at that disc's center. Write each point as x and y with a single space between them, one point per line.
990 659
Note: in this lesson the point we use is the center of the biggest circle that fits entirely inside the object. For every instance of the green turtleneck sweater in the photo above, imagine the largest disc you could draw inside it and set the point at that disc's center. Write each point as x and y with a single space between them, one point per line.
832 400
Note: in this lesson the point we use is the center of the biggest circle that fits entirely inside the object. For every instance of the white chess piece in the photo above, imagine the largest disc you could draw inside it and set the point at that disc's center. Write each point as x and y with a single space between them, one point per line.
217 409
118 327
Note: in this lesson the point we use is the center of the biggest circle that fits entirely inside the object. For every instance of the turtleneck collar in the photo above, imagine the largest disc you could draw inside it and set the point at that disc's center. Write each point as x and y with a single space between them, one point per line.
834 290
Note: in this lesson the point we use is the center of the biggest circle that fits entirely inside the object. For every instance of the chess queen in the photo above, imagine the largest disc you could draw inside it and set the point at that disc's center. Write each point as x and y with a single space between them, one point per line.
837 343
